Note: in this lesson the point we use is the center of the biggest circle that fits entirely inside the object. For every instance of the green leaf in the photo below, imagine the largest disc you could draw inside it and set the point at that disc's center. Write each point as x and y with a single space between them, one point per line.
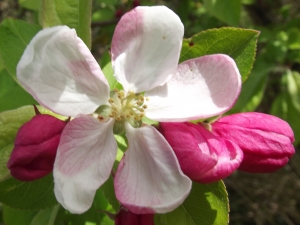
73 13
253 89
109 75
12 95
33 195
206 204
30 4
239 44
17 217
15 36
108 190
46 216
228 11
293 84
285 109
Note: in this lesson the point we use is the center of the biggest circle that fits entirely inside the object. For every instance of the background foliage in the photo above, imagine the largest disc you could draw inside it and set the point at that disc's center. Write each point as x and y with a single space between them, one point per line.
272 87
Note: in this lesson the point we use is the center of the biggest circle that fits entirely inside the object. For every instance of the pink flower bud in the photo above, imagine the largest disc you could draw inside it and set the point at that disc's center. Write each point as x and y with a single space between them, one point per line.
265 140
125 217
35 148
202 156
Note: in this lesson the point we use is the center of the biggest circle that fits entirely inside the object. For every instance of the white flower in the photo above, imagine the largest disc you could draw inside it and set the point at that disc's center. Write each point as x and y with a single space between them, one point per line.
62 75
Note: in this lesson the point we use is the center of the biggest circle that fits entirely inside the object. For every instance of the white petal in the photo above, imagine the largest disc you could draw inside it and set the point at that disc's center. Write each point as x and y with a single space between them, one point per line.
146 47
149 178
84 160
59 71
203 87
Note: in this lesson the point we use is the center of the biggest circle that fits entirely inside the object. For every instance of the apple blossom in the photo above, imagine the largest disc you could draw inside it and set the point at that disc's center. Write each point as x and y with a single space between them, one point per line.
35 148
202 156
62 75
265 140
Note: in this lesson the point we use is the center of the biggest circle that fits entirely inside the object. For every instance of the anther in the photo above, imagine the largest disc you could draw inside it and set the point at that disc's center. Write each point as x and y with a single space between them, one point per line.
145 106
110 100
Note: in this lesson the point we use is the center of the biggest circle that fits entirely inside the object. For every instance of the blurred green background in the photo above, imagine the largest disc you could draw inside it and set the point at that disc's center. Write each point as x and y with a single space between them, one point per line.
273 86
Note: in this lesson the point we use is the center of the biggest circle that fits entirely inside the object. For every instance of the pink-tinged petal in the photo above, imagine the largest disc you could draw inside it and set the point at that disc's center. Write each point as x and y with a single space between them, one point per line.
230 157
59 71
146 47
195 154
149 179
203 157
265 140
84 160
203 87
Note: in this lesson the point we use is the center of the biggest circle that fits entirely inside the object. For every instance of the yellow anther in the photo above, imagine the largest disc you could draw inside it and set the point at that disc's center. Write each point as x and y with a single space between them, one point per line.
118 118
110 100
116 90
147 99
145 106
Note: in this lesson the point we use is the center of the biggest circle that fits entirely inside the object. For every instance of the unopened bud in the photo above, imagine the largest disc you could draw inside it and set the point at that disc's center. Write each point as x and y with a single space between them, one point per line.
125 217
35 148
265 140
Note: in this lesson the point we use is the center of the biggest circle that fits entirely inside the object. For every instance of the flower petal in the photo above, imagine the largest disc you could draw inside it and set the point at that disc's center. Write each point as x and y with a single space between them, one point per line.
149 178
84 160
203 87
59 71
203 157
146 47
230 157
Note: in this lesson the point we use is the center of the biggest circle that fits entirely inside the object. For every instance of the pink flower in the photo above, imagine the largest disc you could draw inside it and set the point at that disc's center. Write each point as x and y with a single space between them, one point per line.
265 140
125 217
202 156
62 75
35 148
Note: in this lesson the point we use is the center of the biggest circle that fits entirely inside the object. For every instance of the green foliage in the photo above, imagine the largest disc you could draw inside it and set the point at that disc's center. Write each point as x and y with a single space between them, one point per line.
74 14
253 89
15 36
206 204
31 4
13 216
12 95
240 44
228 11
109 75
33 195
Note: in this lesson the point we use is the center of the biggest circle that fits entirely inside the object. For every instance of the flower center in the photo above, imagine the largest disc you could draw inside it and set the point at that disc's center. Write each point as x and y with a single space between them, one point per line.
129 108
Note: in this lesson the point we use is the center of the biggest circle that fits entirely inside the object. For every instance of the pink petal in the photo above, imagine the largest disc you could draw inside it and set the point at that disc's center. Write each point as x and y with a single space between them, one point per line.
230 157
195 154
203 157
146 47
203 87
84 160
59 71
149 179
